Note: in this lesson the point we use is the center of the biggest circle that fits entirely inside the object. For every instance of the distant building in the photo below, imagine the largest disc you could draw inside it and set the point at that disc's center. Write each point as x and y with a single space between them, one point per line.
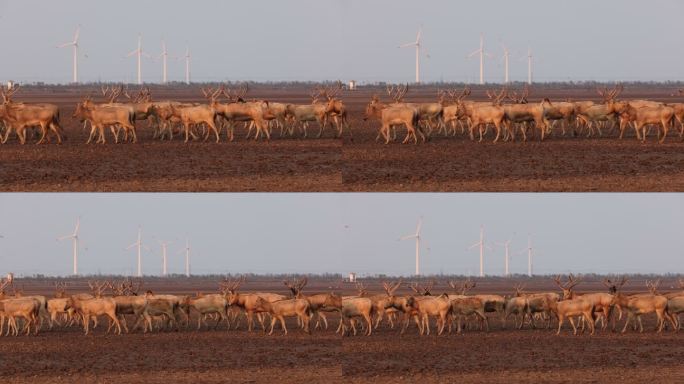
352 277
10 277
352 85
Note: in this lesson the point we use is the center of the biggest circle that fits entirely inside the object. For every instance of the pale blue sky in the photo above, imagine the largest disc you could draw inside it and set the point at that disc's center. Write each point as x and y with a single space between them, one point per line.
298 233
330 39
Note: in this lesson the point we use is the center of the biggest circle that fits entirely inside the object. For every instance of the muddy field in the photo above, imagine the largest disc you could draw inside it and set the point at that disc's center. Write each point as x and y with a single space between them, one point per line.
236 356
328 164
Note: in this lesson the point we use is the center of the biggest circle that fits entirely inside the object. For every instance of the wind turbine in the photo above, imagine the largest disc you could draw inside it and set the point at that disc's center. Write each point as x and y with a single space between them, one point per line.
529 255
416 44
482 54
417 237
74 45
74 239
164 247
187 257
506 56
507 259
187 65
165 57
139 245
529 65
139 54
481 244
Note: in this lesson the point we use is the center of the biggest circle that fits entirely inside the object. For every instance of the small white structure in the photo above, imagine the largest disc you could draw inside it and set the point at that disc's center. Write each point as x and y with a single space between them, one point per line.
352 277
10 277
352 85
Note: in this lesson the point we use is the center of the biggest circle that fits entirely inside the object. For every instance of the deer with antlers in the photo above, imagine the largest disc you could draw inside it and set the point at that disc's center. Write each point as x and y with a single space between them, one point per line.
662 116
451 112
20 116
523 113
237 109
247 301
336 109
593 115
102 116
398 113
637 305
60 305
303 114
91 308
481 114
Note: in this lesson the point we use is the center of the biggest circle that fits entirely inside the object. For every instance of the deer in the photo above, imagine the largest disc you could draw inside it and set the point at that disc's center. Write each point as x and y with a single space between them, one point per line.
573 307
247 301
451 113
468 306
161 306
209 304
637 305
237 109
19 116
300 308
354 307
26 308
60 305
522 112
314 112
427 305
481 114
318 303
590 113
663 116
111 116
395 114
96 306
336 109
125 294
191 115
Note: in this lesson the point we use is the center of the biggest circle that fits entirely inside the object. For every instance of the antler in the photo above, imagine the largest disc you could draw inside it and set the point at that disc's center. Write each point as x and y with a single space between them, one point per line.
361 289
653 286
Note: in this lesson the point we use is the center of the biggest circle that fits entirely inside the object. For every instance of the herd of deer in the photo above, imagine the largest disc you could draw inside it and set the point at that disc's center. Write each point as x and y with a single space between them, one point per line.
165 312
506 111
168 117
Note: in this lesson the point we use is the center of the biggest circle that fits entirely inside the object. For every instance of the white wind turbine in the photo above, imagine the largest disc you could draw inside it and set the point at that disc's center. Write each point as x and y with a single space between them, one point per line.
187 65
529 251
482 245
417 237
74 45
139 54
164 56
529 65
506 57
418 45
187 257
482 54
139 245
74 239
164 246
507 258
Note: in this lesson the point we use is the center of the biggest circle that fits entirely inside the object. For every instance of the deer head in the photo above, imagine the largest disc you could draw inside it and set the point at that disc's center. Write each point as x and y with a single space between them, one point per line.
653 286
7 95
97 287
567 286
361 289
390 288
296 285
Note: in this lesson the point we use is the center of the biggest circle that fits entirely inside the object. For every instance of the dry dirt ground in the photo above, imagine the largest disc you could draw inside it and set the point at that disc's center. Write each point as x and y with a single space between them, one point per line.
328 164
221 355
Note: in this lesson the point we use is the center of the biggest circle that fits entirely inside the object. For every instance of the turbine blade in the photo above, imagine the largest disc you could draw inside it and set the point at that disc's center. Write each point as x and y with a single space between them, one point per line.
65 45
78 224
420 31
474 245
407 45
407 237
420 223
474 53
132 245
64 237
77 34
132 53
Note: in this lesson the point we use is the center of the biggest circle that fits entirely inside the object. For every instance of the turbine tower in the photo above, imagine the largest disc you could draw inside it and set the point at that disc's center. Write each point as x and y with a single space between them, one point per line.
187 257
529 255
529 65
187 65
74 239
164 56
164 247
506 57
417 237
74 45
417 45
139 245
482 54
139 54
482 245
507 258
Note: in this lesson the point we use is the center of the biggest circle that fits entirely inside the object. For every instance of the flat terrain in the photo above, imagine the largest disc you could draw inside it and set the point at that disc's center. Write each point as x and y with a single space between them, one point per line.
221 355
328 164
